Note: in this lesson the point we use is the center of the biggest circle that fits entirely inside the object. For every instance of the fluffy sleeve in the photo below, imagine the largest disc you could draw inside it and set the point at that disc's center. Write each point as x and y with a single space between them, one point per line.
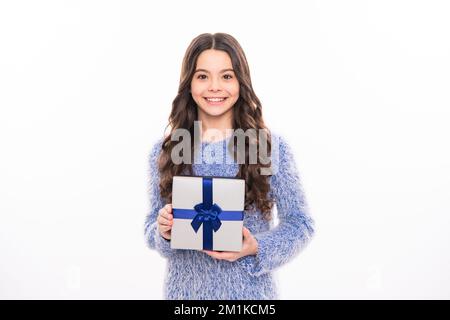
152 236
296 227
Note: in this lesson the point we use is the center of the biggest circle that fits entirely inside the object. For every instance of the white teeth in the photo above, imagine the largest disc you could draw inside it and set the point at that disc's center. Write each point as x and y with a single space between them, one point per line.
215 99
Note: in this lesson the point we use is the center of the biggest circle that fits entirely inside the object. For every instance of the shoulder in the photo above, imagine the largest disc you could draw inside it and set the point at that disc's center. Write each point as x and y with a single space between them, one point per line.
155 151
279 141
285 179
156 147
282 156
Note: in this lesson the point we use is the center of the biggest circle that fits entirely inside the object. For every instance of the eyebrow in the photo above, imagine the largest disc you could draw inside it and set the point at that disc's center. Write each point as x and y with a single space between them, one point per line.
221 71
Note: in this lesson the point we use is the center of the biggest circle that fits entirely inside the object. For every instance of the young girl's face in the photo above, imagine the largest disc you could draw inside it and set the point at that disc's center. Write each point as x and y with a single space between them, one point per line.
214 78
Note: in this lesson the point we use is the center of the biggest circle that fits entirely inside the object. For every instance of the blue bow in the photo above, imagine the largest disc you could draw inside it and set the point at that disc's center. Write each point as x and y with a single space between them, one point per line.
207 216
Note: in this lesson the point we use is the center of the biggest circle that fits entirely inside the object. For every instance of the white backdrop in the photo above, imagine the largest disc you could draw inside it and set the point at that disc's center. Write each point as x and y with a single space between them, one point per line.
360 89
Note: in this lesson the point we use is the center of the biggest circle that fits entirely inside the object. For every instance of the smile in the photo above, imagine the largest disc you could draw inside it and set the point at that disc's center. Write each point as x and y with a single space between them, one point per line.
215 101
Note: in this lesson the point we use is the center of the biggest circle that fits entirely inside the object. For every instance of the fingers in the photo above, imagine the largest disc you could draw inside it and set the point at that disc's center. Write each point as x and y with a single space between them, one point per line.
245 232
165 218
229 255
166 212
163 228
225 255
164 221
250 244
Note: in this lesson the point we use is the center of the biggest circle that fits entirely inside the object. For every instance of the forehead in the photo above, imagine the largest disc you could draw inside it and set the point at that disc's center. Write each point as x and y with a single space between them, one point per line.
213 60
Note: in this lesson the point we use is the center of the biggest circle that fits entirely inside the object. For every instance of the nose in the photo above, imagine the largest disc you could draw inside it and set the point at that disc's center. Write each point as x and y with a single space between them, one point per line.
214 85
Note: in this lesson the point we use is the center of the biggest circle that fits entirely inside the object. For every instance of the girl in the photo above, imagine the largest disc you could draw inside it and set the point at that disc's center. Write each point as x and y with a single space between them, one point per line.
215 88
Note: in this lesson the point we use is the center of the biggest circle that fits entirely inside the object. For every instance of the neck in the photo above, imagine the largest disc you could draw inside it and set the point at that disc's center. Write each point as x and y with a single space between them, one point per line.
216 128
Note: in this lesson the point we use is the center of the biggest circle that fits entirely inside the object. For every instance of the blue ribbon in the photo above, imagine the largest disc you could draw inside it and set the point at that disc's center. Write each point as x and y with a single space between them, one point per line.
207 213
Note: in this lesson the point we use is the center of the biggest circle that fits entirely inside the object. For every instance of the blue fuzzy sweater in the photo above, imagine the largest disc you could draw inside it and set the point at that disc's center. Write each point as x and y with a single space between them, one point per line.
193 274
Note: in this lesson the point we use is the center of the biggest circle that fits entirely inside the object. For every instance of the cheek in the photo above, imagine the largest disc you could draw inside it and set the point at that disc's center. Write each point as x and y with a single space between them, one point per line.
235 89
196 94
235 92
232 89
196 88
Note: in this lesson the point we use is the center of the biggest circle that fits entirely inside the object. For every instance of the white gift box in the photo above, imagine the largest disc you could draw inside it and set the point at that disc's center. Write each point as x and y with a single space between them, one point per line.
208 213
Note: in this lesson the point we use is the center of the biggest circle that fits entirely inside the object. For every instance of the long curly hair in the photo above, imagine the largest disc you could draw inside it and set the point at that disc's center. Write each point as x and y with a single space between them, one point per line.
247 114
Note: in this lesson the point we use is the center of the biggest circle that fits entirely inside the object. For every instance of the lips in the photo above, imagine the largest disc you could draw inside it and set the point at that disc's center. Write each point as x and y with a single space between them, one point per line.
215 101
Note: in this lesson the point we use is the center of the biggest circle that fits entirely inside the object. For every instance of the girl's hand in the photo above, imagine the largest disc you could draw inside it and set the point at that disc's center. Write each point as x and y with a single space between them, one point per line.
249 247
165 221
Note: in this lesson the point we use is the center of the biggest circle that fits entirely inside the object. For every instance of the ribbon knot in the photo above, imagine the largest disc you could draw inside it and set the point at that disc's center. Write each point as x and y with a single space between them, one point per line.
208 216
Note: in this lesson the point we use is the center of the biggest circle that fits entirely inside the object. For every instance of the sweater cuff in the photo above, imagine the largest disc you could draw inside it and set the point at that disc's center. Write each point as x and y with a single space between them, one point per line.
161 244
255 264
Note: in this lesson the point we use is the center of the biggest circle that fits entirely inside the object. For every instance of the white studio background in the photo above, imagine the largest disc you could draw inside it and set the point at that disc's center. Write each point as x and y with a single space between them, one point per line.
359 88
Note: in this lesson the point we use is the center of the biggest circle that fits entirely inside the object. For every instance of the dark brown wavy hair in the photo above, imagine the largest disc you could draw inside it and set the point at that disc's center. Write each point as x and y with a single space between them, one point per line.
247 114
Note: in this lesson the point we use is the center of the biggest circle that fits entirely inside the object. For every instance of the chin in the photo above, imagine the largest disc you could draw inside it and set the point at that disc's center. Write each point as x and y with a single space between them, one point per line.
214 114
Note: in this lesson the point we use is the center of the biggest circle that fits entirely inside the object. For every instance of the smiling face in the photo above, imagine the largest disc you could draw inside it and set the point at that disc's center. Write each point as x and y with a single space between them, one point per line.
214 86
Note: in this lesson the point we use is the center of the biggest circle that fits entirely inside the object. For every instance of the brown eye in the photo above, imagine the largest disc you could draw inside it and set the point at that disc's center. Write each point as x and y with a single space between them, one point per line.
228 75
202 75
